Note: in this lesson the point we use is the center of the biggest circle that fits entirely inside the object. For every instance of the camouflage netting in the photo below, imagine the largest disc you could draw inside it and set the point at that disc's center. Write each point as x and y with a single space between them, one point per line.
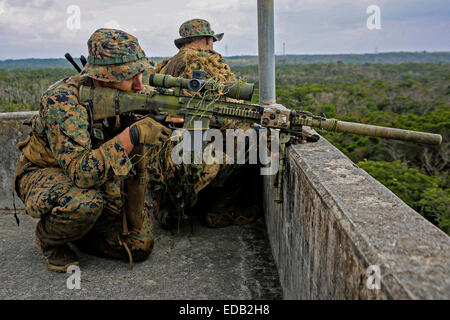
189 59
175 187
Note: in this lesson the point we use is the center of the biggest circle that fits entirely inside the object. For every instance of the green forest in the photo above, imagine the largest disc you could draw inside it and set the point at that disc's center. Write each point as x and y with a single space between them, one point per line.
382 57
407 95
412 96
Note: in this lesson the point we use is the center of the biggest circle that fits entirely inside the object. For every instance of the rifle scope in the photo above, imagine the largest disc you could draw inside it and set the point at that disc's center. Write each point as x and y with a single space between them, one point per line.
235 89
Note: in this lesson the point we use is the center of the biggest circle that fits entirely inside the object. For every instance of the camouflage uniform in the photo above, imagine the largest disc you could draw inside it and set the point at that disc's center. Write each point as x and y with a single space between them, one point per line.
71 181
227 194
189 59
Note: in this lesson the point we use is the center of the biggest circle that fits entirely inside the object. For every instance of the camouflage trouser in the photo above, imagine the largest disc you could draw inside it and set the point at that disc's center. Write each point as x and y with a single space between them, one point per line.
92 218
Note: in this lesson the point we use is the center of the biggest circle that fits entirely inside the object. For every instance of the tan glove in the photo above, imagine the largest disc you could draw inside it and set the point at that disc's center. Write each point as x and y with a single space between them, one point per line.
149 132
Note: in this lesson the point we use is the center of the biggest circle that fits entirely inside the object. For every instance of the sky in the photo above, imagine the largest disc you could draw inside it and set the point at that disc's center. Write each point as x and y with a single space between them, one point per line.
50 28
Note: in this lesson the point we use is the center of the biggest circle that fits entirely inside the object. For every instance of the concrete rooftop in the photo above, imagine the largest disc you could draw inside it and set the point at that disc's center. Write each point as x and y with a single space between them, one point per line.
196 263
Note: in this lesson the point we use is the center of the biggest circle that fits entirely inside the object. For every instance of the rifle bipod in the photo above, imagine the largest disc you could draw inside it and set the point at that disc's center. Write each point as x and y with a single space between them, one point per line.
285 140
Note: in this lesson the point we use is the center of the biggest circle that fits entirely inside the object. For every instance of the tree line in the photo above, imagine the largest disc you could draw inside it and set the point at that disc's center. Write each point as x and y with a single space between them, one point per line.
411 96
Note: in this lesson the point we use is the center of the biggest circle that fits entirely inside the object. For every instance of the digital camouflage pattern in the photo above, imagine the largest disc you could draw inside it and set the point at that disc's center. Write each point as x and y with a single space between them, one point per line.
73 185
196 28
64 126
114 56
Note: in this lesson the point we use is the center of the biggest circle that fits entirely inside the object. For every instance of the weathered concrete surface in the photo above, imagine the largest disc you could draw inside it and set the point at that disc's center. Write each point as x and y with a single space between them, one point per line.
11 132
337 220
229 263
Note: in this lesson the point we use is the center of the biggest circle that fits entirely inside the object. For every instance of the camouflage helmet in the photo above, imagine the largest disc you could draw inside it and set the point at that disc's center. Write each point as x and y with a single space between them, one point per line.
196 28
114 56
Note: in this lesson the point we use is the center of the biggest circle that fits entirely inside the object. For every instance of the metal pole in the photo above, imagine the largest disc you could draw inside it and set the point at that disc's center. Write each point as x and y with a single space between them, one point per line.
266 50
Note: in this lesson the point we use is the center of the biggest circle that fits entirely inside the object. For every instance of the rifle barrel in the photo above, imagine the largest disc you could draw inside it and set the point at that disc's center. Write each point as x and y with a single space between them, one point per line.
72 62
378 131
109 102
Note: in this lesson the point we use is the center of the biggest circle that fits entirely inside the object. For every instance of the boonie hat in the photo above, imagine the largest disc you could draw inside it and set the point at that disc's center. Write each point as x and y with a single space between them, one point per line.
196 28
114 56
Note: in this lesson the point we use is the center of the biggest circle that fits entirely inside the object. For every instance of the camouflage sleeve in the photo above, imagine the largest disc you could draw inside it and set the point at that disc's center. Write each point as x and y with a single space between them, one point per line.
67 132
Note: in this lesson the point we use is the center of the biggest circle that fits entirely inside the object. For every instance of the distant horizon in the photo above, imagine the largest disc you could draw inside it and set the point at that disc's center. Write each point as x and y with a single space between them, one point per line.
50 28
277 54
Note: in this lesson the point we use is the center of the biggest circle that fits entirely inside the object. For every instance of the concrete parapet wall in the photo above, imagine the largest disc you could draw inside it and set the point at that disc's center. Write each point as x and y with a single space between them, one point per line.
336 221
12 131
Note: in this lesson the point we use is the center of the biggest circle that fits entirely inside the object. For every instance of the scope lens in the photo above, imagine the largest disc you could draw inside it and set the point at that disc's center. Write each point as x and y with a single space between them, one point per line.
194 85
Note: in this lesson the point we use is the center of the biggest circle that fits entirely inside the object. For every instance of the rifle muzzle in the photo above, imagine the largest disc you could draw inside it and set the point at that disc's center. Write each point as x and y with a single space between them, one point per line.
378 131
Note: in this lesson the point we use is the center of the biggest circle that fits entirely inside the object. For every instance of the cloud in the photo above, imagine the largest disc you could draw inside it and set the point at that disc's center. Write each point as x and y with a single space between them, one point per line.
38 28
113 24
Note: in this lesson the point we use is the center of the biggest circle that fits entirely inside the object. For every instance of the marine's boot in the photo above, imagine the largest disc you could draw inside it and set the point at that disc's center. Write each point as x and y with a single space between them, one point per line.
247 214
237 216
58 258
219 219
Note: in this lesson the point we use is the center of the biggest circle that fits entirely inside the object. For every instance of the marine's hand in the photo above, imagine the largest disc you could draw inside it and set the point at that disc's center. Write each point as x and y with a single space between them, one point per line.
149 132
175 121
